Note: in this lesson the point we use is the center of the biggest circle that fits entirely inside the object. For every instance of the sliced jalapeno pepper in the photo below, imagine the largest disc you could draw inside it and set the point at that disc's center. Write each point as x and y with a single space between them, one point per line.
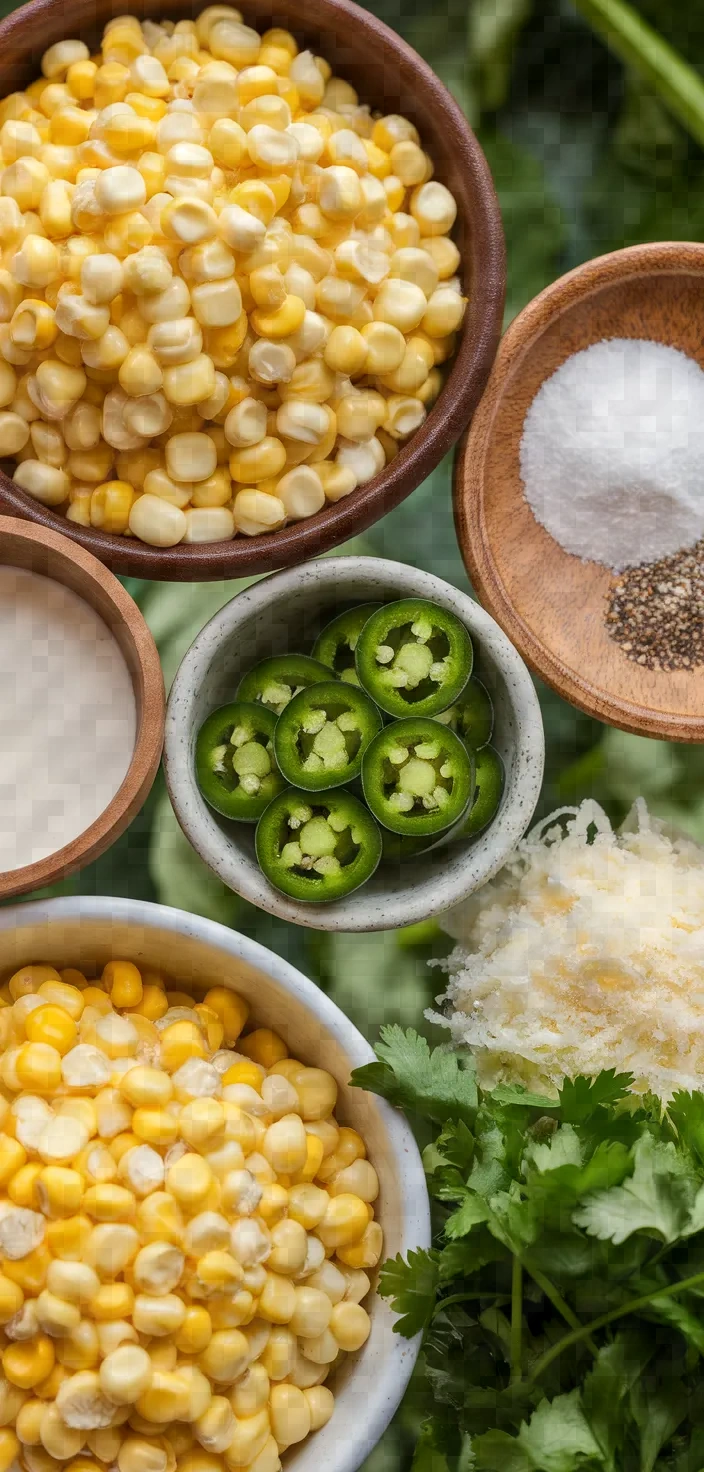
472 716
489 780
338 641
275 681
235 763
413 658
323 734
317 847
418 777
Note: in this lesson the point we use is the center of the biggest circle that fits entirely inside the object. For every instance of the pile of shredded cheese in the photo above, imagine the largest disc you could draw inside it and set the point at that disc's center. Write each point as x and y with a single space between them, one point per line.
586 952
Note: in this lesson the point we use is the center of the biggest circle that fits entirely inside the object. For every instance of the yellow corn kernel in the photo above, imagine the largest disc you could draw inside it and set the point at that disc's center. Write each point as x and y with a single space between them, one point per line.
189 1180
366 1251
195 1332
55 1315
53 1025
148 1086
112 1301
28 979
264 1047
345 1220
22 1187
201 1121
159 1219
94 996
249 1073
109 1203
156 1126
29 1361
153 1004
274 1203
313 1160
12 1158
11 1299
80 80
59 1190
110 506
67 1239
232 1010
28 1422
123 983
179 1042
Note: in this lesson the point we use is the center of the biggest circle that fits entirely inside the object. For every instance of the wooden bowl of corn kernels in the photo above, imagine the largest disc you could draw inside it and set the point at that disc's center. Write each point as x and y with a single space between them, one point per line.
265 320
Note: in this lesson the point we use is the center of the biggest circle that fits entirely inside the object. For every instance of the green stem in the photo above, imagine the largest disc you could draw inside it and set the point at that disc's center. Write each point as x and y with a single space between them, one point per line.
559 1303
632 1307
443 1303
516 1319
640 46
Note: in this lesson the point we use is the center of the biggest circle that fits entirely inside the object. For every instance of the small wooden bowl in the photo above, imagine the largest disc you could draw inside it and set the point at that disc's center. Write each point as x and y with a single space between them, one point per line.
552 604
390 76
53 556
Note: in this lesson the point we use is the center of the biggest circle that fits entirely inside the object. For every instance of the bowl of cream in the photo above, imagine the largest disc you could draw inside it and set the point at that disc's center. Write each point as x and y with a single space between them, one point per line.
82 718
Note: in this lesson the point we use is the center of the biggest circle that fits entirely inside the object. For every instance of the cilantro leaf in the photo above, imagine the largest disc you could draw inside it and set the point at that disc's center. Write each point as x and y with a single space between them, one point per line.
581 1097
686 1112
412 1288
617 1369
657 1414
510 1095
440 1085
657 1198
558 1438
471 1213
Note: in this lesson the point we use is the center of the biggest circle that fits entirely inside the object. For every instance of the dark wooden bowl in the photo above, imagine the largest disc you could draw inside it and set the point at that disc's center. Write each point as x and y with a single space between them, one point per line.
38 550
550 603
390 76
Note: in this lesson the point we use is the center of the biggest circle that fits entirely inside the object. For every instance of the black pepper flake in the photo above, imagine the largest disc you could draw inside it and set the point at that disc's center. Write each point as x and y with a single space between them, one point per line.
656 613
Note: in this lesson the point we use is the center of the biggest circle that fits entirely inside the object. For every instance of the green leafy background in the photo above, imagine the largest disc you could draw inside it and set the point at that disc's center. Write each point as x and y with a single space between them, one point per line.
585 159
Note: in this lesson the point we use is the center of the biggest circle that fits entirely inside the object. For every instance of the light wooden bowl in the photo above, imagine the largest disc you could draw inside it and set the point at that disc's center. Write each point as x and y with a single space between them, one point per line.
552 604
390 76
52 556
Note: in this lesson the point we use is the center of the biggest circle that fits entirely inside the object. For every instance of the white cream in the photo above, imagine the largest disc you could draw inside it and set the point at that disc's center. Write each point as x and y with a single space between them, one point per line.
67 717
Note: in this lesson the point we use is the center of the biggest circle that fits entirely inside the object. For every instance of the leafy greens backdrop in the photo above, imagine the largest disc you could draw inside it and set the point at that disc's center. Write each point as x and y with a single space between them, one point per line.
586 158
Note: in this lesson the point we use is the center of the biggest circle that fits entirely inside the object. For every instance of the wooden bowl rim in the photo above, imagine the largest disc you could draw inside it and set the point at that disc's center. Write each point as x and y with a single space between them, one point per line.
149 737
485 264
653 258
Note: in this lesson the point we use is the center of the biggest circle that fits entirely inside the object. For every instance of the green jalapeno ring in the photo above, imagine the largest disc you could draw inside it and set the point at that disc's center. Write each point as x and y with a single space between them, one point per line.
489 789
323 734
317 847
336 644
472 716
275 681
235 762
417 777
413 657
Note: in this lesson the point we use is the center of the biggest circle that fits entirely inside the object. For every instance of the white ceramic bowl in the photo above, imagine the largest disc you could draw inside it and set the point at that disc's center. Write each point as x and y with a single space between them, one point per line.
88 931
286 612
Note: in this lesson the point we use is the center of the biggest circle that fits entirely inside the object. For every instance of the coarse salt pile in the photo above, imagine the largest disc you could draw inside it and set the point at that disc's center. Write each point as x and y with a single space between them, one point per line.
612 453
585 955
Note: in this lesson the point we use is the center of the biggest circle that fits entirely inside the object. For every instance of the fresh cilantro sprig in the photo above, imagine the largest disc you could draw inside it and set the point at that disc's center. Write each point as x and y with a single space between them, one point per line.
562 1306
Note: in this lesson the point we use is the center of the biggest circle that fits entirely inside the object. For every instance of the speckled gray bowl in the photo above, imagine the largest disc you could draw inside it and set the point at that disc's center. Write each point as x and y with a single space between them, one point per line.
286 612
88 930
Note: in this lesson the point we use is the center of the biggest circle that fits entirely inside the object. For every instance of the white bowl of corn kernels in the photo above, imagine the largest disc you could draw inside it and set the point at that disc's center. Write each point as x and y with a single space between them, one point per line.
193 1203
230 290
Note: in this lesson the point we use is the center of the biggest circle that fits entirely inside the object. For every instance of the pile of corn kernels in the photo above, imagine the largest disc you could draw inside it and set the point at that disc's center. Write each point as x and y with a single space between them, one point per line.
226 287
184 1230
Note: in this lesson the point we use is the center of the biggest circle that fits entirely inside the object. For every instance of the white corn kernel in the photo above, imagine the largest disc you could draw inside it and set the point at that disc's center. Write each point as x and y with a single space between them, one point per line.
120 189
190 457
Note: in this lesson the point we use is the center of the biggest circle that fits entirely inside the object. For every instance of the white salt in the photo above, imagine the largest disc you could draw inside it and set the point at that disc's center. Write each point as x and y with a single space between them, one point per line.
67 717
612 453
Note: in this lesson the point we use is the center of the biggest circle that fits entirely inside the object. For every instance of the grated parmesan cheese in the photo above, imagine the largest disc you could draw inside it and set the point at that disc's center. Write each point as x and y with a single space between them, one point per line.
583 955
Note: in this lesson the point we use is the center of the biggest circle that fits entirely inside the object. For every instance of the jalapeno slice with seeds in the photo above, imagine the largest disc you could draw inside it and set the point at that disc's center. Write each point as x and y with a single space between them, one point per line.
472 716
336 645
273 682
413 658
418 777
235 762
317 847
489 786
323 734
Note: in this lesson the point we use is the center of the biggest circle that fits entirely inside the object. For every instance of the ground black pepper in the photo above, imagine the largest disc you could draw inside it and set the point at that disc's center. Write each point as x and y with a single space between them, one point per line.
656 612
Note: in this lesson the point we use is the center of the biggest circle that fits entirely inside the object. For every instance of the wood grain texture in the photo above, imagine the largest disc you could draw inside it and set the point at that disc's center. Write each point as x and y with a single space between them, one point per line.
552 604
390 76
52 556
